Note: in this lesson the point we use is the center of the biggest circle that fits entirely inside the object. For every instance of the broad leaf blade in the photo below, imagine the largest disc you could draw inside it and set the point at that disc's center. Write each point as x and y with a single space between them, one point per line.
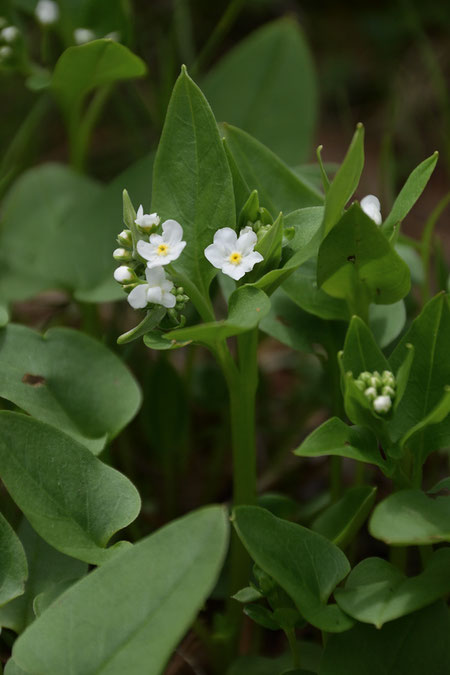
164 580
73 500
13 564
341 521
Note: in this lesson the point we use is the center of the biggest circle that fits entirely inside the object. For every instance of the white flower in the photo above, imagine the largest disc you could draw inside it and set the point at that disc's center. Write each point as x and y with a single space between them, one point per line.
371 207
382 404
83 35
146 221
9 34
123 274
47 12
157 290
165 248
234 256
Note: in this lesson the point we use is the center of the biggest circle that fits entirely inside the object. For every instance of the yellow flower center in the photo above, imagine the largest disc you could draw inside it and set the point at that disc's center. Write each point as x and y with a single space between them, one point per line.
235 258
162 249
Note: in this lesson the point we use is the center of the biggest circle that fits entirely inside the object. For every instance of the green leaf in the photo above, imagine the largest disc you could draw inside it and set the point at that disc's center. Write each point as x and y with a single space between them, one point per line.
413 645
156 340
247 306
158 587
262 616
387 322
334 437
47 568
13 563
4 316
345 181
341 521
409 517
271 75
192 184
74 501
428 378
302 288
287 323
361 352
278 187
409 194
148 323
377 592
356 263
305 564
91 395
81 69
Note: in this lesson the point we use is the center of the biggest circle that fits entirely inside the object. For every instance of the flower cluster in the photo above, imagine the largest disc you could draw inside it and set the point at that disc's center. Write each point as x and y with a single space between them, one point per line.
379 389
9 36
146 257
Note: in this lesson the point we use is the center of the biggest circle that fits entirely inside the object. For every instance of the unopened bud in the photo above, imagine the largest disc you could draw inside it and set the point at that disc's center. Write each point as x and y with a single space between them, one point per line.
124 274
5 53
9 34
122 255
47 12
370 392
388 391
125 238
83 35
382 404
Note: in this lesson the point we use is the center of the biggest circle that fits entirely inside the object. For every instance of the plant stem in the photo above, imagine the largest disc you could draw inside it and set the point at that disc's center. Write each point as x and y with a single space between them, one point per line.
81 128
222 27
294 646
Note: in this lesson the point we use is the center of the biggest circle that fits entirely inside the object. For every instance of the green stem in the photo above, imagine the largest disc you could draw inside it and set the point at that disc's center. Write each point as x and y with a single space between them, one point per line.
294 646
427 238
80 127
222 27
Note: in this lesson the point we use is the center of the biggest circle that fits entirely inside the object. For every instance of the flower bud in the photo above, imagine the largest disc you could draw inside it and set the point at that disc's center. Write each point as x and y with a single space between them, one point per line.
125 239
371 393
388 391
122 255
83 35
124 274
5 53
47 12
382 404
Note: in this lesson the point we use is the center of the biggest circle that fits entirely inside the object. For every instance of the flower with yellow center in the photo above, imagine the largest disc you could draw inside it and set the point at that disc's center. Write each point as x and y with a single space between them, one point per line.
163 248
232 254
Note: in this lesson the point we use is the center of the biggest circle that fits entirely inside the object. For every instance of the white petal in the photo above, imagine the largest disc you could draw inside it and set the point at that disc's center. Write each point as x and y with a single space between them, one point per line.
154 294
250 260
371 207
140 213
122 274
155 275
146 250
172 232
234 271
166 286
246 242
215 255
158 261
370 199
138 296
168 300
156 240
175 250
226 239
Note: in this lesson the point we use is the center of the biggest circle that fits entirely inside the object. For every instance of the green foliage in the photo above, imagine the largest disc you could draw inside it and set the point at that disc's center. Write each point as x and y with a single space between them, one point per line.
73 500
272 78
164 580
341 521
91 395
305 564
13 566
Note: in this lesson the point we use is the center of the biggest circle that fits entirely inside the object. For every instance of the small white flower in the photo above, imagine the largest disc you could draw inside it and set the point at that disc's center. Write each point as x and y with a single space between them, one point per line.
382 404
83 35
234 256
123 274
146 221
9 34
5 53
47 12
122 254
163 249
371 207
157 290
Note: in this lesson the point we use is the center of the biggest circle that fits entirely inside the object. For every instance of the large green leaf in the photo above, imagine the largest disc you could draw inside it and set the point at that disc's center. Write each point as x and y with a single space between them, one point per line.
341 521
274 92
287 323
410 517
247 306
74 501
428 378
305 564
81 69
47 568
409 194
13 564
377 592
69 380
334 437
279 188
357 263
192 184
361 352
128 615
302 288
413 645
345 181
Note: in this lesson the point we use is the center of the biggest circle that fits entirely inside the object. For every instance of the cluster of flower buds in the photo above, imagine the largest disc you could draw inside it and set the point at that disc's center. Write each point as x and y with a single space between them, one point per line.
255 216
9 36
379 389
144 253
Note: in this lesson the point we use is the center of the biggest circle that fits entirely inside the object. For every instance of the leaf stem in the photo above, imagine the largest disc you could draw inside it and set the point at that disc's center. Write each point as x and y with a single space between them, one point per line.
294 647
